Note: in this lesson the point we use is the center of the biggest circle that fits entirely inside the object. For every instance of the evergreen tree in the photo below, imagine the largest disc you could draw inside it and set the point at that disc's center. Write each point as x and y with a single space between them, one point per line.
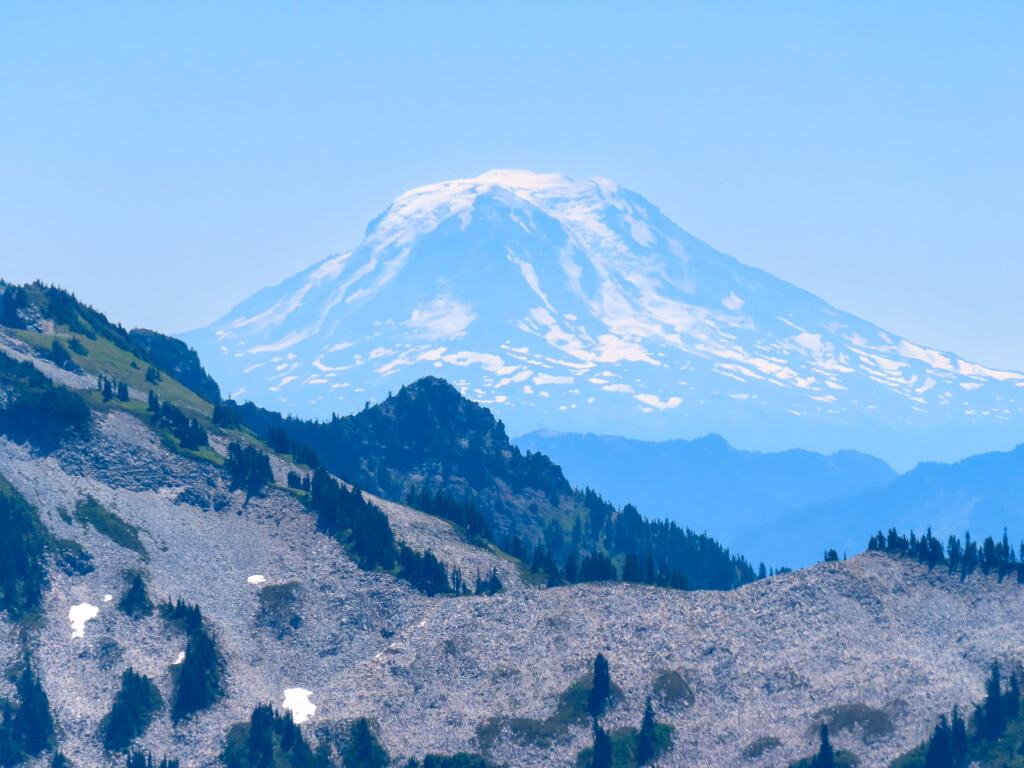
33 722
248 467
993 721
940 749
631 570
133 709
601 689
261 737
1011 705
122 392
21 556
363 749
145 760
825 757
572 569
224 415
60 357
11 300
602 748
198 682
958 739
645 740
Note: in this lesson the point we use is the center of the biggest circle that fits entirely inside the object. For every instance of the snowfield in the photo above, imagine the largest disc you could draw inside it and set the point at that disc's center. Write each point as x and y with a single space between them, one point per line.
525 289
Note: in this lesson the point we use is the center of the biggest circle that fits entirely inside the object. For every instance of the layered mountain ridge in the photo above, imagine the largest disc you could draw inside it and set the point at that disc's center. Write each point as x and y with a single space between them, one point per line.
579 306
112 487
711 486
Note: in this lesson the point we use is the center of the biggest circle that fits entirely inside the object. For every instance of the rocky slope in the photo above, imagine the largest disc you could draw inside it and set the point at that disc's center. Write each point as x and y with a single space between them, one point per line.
877 642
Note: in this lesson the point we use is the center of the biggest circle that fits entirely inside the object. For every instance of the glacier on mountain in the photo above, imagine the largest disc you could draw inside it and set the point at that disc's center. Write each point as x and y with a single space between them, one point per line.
580 306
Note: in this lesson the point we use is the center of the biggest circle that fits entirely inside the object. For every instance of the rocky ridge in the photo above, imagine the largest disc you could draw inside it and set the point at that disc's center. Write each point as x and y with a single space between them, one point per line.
880 641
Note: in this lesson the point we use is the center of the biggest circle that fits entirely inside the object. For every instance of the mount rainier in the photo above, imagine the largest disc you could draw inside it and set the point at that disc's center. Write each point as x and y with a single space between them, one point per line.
580 306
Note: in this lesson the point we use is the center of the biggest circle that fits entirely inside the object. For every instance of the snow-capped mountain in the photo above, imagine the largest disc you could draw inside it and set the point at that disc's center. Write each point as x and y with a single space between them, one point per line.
580 306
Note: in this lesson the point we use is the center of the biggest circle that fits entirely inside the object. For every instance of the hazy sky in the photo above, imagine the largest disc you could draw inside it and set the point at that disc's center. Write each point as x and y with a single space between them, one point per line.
165 160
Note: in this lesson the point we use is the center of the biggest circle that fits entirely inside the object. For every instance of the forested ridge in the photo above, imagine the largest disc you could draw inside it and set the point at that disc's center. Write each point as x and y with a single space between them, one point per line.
429 440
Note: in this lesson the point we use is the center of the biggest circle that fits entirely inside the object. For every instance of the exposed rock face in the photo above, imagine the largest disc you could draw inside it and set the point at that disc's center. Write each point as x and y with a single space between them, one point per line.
886 641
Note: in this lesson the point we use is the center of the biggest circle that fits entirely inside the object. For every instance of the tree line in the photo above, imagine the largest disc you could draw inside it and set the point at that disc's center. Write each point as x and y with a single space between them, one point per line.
189 432
963 557
199 679
38 411
356 523
985 736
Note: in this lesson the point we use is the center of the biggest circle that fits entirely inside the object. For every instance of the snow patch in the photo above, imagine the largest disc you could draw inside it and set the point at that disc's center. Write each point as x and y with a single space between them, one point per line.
655 402
296 701
442 318
79 615
733 302
256 579
546 378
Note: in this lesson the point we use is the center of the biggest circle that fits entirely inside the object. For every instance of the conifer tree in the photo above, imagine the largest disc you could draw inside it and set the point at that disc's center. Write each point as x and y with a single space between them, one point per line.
958 738
572 569
825 758
199 679
602 748
363 749
645 740
261 737
993 721
940 748
601 689
33 722
1011 706
133 709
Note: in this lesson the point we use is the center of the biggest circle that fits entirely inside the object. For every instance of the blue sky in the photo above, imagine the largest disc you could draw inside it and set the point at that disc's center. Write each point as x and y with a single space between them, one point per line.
167 160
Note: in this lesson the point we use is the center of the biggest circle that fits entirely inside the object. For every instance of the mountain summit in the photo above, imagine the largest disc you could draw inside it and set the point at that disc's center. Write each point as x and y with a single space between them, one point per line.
578 305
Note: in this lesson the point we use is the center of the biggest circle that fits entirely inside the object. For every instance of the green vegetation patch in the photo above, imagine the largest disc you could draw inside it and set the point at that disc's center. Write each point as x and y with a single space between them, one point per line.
672 689
759 746
91 512
133 710
71 557
460 760
37 411
135 602
571 710
278 607
993 735
875 723
624 746
843 759
22 572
